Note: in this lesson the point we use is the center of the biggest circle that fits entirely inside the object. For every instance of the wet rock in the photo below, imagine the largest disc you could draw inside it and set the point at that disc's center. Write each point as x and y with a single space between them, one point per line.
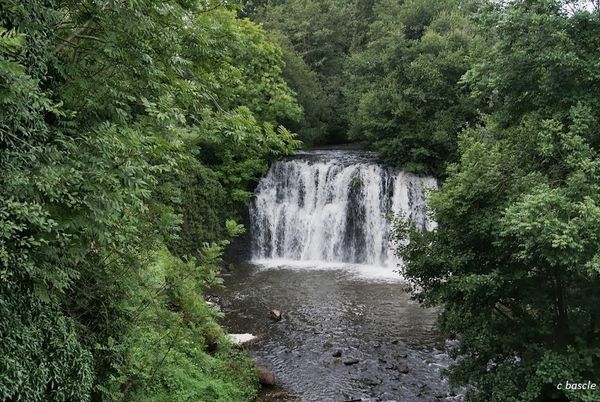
349 362
275 315
395 342
382 361
337 353
265 377
213 300
404 369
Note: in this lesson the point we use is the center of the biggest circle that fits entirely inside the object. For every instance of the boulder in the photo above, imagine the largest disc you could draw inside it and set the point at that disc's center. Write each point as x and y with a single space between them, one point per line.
265 377
337 353
349 362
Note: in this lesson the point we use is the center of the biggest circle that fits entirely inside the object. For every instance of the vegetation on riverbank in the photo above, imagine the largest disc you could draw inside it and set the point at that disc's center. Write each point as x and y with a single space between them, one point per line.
515 260
130 132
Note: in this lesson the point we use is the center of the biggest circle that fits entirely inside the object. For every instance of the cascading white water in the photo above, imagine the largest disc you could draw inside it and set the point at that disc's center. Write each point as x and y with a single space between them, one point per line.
333 206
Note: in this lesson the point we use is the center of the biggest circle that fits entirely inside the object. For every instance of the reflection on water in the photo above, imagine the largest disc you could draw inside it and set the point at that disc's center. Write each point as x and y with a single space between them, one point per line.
331 310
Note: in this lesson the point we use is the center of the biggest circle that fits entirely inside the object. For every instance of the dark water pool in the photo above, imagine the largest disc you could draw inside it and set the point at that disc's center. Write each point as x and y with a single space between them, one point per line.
392 341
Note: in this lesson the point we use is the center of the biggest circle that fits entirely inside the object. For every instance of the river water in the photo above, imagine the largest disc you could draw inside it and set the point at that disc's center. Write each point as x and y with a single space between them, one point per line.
320 223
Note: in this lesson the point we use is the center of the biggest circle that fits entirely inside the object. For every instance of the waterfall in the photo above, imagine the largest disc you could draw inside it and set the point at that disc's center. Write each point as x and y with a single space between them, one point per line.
333 206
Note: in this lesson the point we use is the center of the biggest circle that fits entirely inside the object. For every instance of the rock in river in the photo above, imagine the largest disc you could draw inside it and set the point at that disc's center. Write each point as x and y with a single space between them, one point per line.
265 377
275 314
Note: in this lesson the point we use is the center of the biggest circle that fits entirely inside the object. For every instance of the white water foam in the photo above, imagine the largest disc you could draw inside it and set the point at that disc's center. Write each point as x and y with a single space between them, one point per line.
347 270
332 209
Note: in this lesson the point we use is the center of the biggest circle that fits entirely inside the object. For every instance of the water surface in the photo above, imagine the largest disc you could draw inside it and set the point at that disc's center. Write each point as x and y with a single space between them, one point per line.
327 309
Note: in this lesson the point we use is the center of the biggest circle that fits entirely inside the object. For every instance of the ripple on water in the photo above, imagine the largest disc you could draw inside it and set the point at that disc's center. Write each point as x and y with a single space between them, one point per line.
398 350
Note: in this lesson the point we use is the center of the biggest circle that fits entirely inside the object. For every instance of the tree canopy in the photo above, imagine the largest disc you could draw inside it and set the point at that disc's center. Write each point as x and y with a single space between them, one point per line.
514 260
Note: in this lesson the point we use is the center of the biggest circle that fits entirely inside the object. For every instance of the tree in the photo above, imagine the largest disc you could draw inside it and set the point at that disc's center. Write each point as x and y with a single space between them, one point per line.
403 90
514 260
320 32
312 128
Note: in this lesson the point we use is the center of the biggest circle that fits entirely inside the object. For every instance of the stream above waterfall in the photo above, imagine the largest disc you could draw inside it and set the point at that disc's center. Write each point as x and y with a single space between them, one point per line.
320 223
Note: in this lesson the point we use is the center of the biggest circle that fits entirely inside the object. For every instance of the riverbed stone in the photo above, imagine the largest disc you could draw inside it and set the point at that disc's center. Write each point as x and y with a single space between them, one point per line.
275 315
337 353
351 361
265 377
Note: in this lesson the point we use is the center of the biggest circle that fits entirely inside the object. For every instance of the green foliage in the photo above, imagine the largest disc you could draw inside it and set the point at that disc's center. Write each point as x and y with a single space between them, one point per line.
42 357
126 129
384 72
316 36
562 50
312 128
176 350
514 260
402 85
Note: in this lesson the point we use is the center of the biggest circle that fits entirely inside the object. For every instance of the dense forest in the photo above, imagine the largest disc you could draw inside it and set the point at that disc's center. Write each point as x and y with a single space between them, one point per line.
132 133
129 131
